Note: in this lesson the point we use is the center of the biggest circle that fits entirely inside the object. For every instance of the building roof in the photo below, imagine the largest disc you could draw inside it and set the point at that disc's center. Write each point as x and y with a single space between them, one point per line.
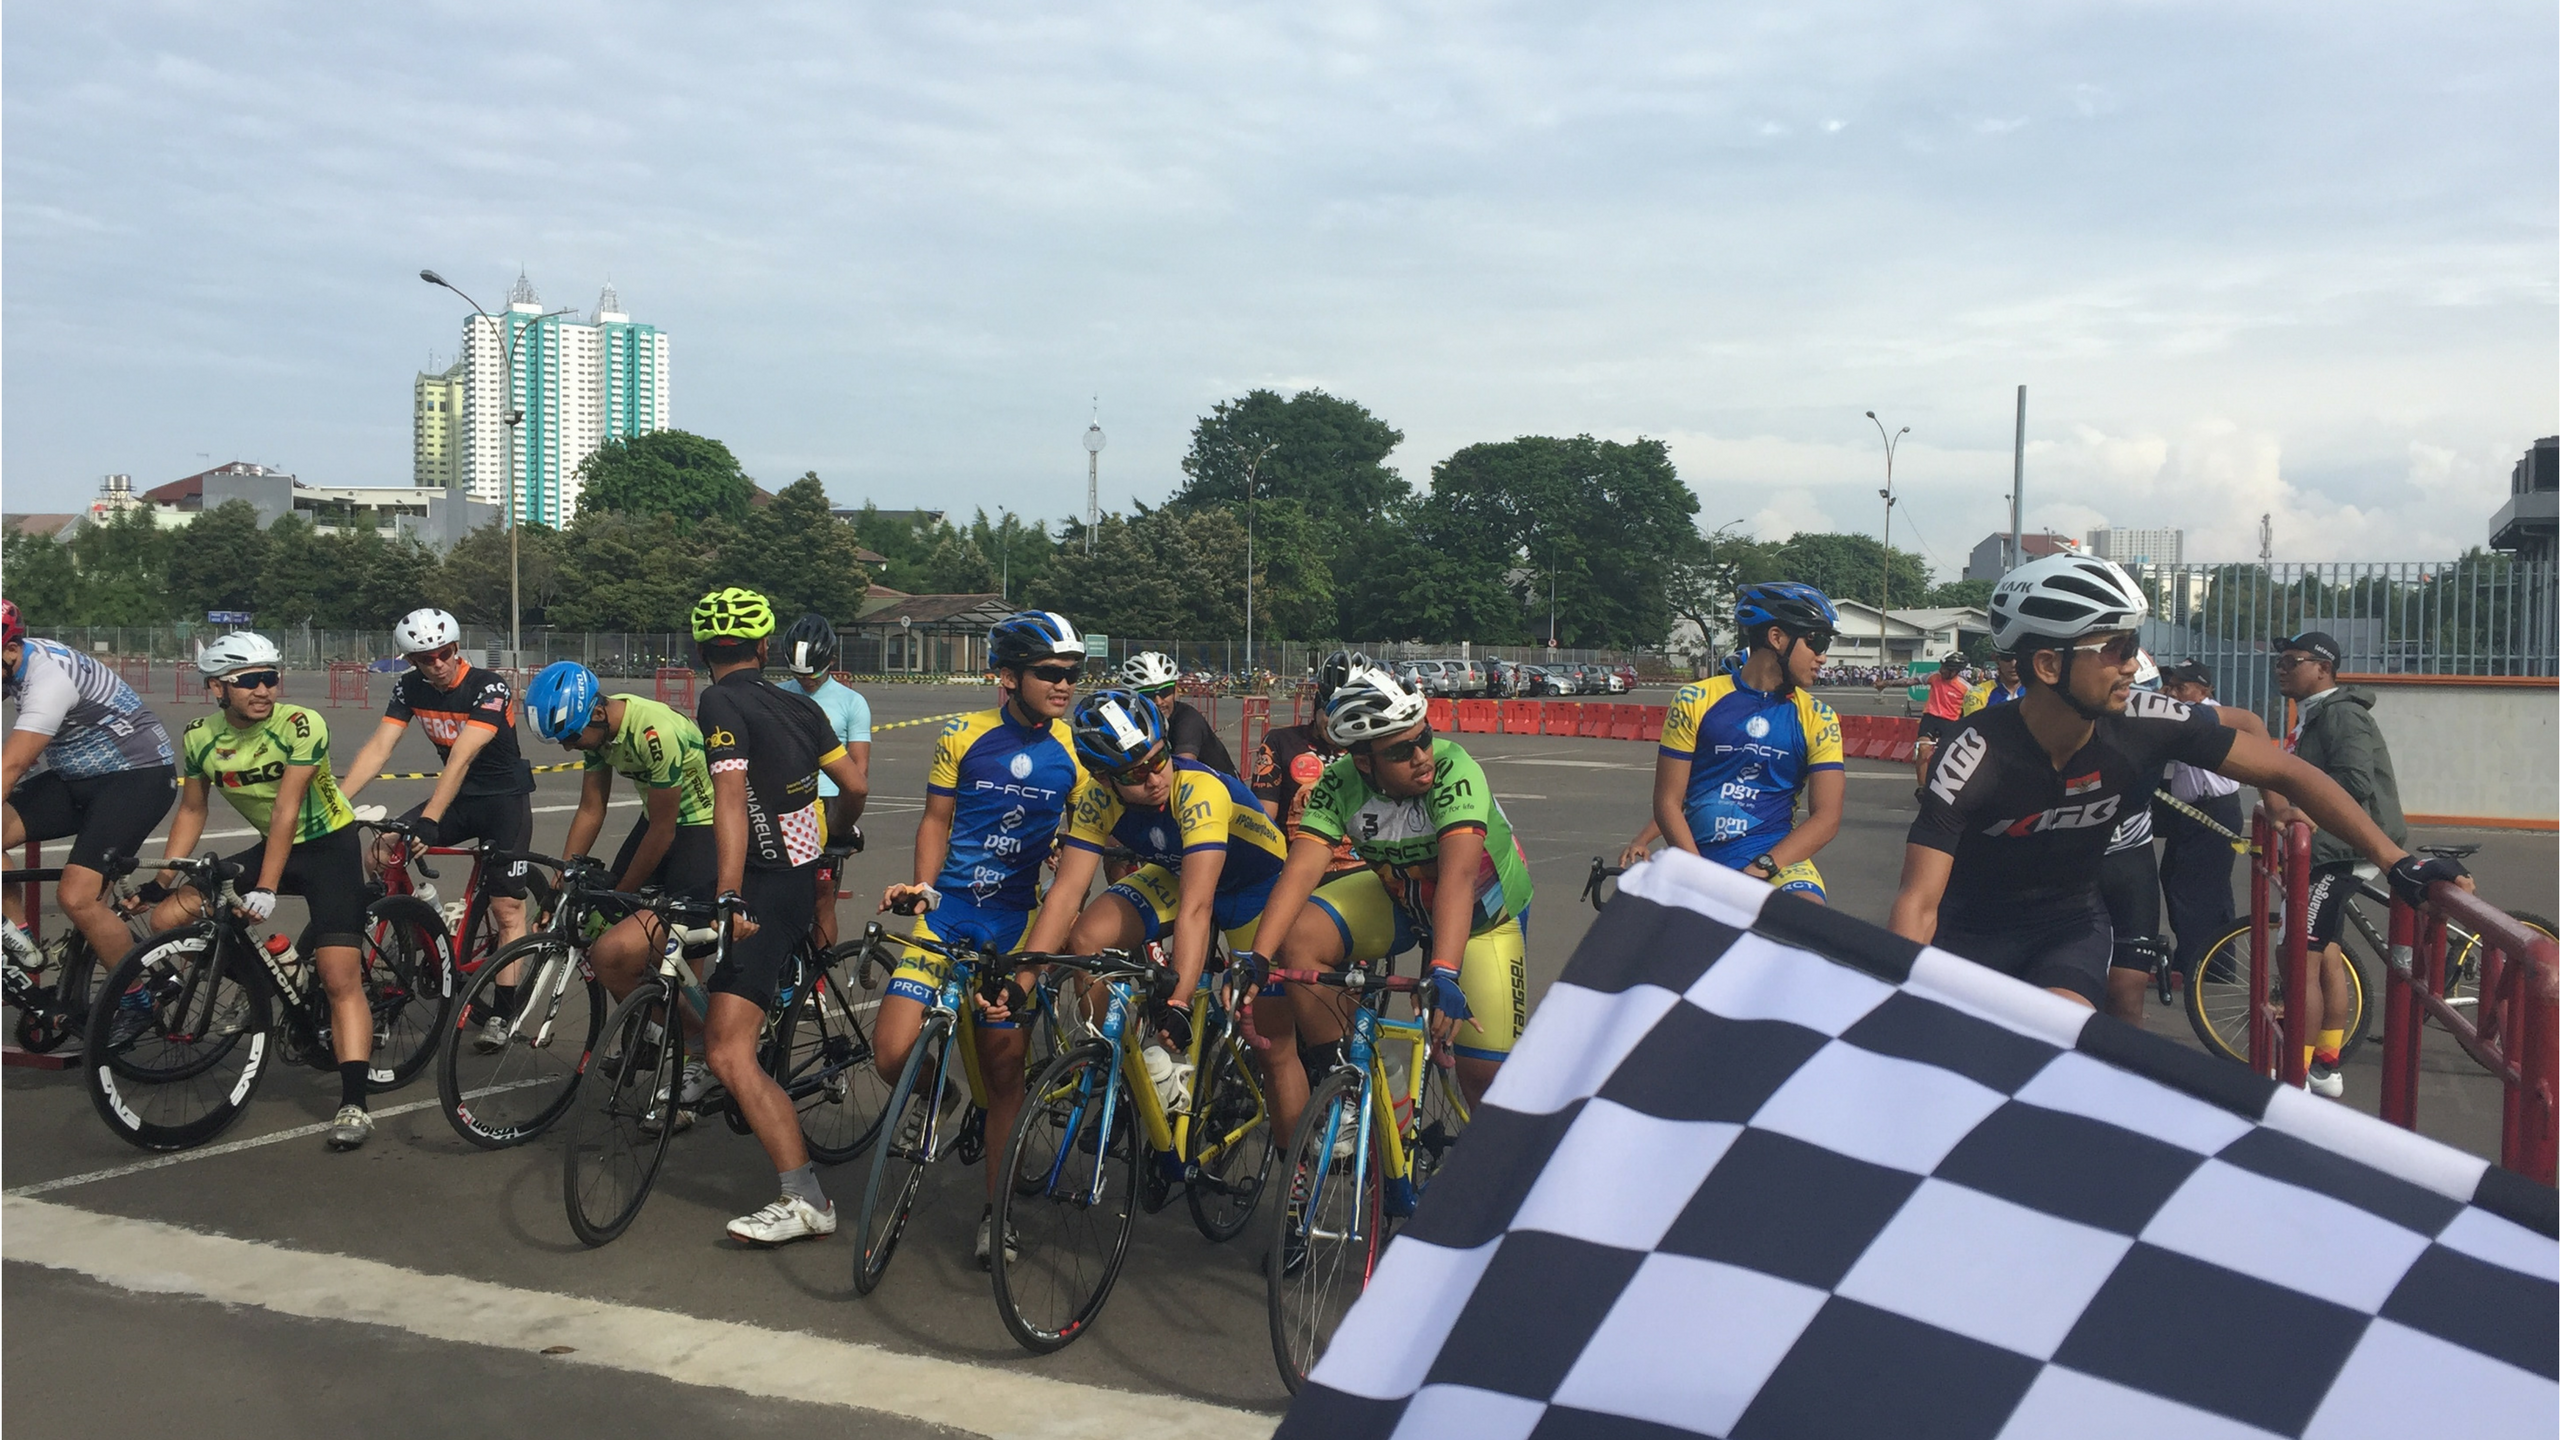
44 524
1908 622
888 607
188 494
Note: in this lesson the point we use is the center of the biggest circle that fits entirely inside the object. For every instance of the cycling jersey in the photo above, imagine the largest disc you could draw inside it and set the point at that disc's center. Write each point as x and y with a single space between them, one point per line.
1749 753
1285 770
1193 735
1946 696
658 749
476 697
848 714
248 767
778 738
99 726
1401 837
1989 693
2026 837
1009 784
1207 811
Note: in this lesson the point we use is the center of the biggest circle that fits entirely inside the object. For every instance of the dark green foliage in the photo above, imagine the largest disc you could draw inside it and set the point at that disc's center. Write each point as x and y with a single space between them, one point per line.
665 472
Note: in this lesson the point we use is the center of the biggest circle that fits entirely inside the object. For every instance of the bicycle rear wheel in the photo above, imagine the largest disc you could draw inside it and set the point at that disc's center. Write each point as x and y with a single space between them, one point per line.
1231 1144
2462 958
2218 996
898 1161
618 1138
500 1097
405 983
177 1042
1069 1195
1328 1231
1441 1117
828 1064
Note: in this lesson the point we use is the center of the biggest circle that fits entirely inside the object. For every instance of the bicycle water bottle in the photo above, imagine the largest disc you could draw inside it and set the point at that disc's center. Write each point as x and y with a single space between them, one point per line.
288 961
1397 1056
1171 1077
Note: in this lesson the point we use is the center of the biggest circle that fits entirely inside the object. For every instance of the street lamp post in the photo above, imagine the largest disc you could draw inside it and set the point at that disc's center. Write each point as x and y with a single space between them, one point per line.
1250 468
1884 581
1093 443
513 417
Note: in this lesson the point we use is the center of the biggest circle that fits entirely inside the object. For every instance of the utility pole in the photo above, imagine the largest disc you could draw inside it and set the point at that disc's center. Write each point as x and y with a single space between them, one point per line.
1093 443
1251 469
2018 488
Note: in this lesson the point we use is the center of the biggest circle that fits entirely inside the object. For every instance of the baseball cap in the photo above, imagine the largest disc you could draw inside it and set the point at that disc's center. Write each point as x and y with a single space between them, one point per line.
2319 644
2190 671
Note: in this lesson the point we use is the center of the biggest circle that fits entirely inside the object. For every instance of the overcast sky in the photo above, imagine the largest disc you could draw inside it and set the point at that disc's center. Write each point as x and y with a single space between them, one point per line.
2290 258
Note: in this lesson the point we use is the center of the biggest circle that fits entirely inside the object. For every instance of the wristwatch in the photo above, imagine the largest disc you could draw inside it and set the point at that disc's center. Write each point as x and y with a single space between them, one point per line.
1767 863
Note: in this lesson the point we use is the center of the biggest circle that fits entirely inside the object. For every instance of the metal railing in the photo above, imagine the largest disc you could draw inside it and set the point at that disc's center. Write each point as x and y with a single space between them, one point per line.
2511 1025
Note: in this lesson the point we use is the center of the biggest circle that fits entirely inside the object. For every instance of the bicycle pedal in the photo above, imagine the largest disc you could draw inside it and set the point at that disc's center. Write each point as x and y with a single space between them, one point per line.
970 1145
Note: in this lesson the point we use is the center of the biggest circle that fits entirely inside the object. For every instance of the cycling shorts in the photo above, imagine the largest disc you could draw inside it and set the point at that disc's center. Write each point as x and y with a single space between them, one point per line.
1797 879
2067 953
2332 886
920 976
498 822
782 903
112 813
1493 972
690 868
1934 728
1156 894
328 873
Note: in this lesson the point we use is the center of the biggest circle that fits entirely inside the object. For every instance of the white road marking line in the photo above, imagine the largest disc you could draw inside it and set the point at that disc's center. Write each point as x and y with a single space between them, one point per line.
1569 764
147 1257
1499 795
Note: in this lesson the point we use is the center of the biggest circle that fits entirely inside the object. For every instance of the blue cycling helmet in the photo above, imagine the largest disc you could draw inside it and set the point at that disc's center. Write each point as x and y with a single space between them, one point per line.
1027 637
562 700
1800 608
1115 729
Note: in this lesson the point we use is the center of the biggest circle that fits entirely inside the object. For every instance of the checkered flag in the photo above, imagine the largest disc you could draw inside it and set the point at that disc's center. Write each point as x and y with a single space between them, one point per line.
1761 1169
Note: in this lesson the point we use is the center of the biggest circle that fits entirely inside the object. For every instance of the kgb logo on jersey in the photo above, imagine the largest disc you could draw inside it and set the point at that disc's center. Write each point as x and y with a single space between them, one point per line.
2060 817
1957 765
1021 766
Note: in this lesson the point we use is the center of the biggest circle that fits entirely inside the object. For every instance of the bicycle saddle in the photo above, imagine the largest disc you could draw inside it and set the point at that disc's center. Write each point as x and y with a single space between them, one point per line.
2450 852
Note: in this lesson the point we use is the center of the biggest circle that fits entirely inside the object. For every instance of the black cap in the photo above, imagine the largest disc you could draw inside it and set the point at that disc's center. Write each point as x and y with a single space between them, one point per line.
2319 644
2190 671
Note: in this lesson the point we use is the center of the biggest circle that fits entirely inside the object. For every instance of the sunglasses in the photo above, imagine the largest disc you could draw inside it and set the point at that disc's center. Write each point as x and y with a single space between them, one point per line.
1138 773
2287 662
440 656
255 679
1401 751
1817 641
1054 674
2119 651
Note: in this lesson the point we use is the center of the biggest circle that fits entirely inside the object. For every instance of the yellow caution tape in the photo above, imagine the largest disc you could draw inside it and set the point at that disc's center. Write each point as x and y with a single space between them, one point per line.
580 764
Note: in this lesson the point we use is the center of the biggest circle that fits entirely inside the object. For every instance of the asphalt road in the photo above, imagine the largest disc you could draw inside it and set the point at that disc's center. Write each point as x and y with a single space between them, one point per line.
475 1242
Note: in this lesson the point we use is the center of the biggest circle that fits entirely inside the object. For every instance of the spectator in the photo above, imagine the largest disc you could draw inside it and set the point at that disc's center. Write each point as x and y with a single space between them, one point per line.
2195 865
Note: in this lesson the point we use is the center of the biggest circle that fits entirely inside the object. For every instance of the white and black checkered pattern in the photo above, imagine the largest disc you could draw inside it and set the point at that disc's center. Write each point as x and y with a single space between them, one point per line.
1728 1187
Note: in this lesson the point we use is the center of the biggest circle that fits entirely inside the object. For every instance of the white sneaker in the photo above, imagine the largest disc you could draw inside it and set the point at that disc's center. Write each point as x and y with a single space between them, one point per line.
493 1035
352 1126
2326 1081
987 1240
698 1082
785 1220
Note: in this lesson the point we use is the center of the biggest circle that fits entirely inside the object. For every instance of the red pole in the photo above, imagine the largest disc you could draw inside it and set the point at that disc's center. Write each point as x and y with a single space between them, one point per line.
2534 1142
2262 852
31 894
2296 1067
2401 1022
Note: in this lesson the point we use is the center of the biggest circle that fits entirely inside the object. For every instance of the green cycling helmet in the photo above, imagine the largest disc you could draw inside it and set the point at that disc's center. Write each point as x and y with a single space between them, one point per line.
735 613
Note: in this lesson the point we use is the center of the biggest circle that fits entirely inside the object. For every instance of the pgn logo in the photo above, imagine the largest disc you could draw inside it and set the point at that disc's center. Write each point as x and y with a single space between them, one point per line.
1734 791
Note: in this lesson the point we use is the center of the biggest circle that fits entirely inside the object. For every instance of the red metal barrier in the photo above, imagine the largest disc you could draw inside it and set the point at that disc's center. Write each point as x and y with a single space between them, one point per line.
1654 716
1563 717
1522 717
1626 722
1595 721
135 671
675 688
1252 728
347 682
2513 1029
2277 1043
31 894
1442 714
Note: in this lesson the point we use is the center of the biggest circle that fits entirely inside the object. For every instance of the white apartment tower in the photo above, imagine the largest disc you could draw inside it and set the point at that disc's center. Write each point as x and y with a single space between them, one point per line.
579 383
2139 547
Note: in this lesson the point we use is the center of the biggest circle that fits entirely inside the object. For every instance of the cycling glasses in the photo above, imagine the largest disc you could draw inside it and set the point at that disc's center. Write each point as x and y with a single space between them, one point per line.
1138 773
2119 651
1055 674
441 655
255 679
1817 641
1401 751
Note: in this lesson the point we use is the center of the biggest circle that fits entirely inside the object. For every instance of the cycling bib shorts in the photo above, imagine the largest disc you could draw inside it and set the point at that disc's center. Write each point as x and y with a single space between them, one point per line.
1493 973
1156 894
1801 878
920 976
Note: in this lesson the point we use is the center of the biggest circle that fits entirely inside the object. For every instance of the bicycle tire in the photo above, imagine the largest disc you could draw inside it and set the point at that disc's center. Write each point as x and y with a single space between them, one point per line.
2217 996
64 1010
503 1099
1072 1246
1228 1169
1440 1117
1307 1303
175 1106
897 1169
826 1063
403 959
2462 959
618 1138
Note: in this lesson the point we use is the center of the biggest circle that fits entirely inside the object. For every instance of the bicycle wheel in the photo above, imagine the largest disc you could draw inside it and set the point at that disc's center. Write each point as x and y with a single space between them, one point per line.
828 1066
177 1043
618 1138
2462 955
898 1161
1440 1118
1231 1144
64 1008
506 1096
2218 996
1326 1238
1069 1197
404 982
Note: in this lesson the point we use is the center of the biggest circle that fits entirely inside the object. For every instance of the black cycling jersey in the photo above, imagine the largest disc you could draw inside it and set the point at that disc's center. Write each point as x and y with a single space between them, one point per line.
779 738
1194 736
2026 837
478 697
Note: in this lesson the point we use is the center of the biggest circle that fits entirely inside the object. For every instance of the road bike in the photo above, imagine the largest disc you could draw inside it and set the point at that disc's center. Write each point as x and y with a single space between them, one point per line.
468 926
1596 887
178 1039
503 1085
51 983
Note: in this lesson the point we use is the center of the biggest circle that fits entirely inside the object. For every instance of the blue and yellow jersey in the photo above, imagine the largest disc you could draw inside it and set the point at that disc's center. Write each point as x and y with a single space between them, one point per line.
1009 784
1209 810
1749 752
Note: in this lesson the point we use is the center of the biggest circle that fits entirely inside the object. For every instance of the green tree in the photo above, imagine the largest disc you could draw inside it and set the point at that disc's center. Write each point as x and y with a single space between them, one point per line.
217 562
301 578
1706 580
665 472
42 578
1976 593
1849 567
389 578
123 568
472 582
626 572
1020 553
798 553
1324 454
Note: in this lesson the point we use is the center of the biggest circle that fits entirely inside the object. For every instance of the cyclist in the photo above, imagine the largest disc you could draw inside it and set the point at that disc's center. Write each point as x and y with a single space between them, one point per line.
1738 748
1152 674
809 653
469 714
2129 885
85 758
2000 867
1207 853
271 761
1945 706
1413 807
766 746
2001 687
995 791
1292 758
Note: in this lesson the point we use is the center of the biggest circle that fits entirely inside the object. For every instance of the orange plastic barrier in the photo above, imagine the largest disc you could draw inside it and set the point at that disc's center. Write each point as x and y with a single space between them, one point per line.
346 682
1902 737
1442 715
1595 721
1521 717
1853 735
1627 723
675 688
1479 717
1562 718
1654 716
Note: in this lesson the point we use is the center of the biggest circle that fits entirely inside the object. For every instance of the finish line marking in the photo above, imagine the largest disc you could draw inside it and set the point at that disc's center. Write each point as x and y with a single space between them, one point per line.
148 1257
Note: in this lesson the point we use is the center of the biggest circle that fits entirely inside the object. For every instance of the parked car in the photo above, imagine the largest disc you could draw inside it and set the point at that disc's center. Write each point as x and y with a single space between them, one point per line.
1546 681
1426 676
1597 680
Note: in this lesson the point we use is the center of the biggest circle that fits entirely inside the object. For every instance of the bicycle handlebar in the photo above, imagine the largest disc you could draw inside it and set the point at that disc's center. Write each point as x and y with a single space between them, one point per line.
1601 873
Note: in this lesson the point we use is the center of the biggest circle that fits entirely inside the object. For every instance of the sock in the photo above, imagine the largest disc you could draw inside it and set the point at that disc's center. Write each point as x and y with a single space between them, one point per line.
803 1183
2309 1054
351 1082
506 999
2331 1042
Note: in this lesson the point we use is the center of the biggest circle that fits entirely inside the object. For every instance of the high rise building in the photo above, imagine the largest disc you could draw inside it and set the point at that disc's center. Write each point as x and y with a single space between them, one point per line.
436 425
2139 547
579 383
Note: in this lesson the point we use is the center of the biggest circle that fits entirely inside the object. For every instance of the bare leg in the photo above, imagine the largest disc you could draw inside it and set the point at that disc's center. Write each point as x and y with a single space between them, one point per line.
730 1047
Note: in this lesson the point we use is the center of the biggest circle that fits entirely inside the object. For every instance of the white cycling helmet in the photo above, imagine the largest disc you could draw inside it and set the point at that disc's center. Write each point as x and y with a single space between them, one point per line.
239 650
2146 671
1371 704
420 631
1149 671
2063 597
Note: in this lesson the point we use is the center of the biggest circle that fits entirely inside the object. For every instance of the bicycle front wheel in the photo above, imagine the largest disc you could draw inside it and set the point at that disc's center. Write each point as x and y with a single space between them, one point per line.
1328 1230
2218 996
1231 1145
177 1043
1068 1199
1440 1117
506 1083
618 1138
898 1161
828 1066
406 985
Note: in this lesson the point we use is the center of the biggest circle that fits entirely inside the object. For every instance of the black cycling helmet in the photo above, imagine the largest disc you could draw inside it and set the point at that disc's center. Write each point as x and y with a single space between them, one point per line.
1333 670
809 646
1027 637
